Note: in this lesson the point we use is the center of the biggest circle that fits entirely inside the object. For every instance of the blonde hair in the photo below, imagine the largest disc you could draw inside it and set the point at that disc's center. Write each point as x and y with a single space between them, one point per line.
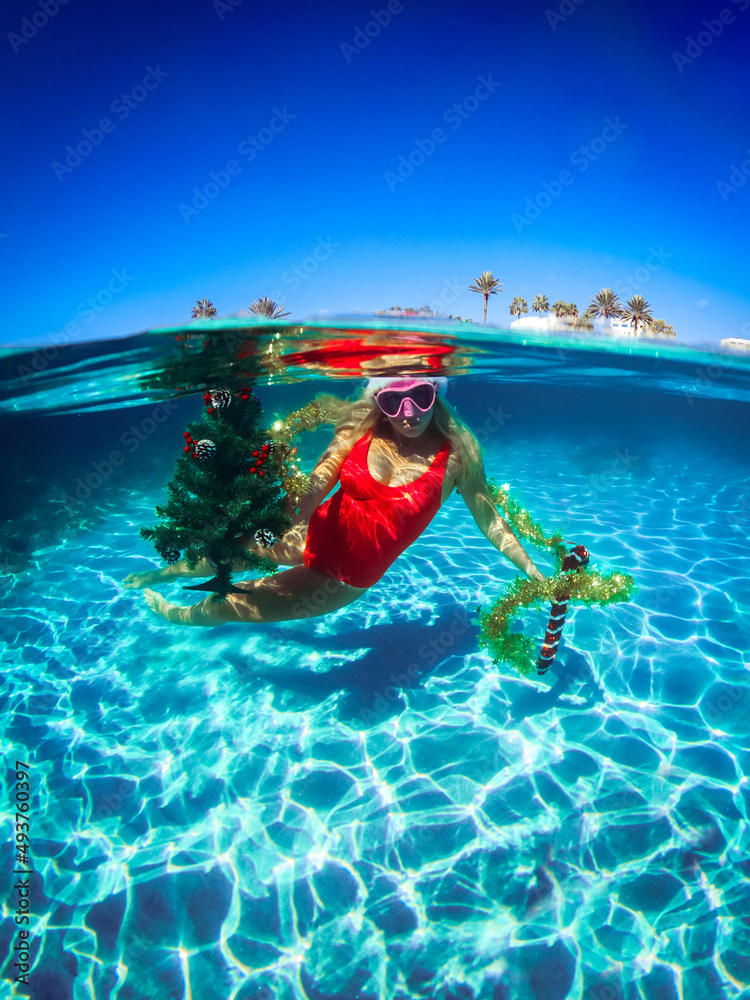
363 413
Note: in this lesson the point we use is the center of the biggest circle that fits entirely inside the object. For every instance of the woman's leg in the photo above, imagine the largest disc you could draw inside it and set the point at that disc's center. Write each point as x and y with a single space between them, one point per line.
288 551
288 596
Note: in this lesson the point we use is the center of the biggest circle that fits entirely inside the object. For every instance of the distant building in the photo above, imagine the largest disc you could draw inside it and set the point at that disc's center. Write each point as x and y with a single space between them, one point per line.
546 323
735 344
621 327
424 313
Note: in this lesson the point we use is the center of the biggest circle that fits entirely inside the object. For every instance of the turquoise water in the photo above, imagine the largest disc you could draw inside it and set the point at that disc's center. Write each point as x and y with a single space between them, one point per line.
364 805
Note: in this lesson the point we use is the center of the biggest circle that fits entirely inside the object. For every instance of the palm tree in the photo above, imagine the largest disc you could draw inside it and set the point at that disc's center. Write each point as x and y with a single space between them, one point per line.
518 306
571 309
660 328
638 311
267 307
605 304
559 307
486 285
540 305
203 309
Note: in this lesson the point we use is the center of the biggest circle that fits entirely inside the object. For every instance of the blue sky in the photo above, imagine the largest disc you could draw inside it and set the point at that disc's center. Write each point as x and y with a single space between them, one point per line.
342 160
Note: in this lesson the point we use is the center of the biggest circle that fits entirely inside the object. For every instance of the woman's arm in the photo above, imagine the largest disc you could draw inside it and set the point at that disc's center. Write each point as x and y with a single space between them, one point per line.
476 493
288 550
324 476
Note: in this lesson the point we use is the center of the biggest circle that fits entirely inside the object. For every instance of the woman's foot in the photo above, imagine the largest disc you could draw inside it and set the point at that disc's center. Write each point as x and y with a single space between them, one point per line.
139 580
161 606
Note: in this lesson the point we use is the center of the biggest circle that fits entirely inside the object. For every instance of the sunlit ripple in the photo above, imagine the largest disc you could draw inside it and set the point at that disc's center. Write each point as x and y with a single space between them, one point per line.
286 806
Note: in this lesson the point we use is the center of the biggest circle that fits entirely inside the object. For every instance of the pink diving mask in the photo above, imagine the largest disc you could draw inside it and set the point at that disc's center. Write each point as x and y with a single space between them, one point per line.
405 397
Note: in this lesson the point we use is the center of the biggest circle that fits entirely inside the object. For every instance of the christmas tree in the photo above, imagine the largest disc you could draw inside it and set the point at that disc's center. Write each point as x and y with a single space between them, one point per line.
227 486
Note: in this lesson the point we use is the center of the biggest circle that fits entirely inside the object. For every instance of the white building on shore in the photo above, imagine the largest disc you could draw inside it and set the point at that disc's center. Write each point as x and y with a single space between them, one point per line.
735 344
550 323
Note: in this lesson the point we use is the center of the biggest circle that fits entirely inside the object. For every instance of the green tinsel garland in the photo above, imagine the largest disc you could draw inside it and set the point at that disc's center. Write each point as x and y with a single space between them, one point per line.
522 522
584 585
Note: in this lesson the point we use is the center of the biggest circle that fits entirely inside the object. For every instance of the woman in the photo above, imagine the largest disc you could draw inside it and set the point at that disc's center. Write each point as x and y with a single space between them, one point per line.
398 453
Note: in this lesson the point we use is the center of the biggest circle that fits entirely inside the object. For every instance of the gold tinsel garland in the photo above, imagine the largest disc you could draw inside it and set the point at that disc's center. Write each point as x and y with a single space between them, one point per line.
584 585
284 432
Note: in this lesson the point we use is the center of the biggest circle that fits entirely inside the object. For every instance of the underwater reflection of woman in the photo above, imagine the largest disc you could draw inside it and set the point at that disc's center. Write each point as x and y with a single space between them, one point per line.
398 452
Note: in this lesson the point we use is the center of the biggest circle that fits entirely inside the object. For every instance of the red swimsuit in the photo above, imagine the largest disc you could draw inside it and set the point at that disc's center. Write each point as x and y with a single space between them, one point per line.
365 526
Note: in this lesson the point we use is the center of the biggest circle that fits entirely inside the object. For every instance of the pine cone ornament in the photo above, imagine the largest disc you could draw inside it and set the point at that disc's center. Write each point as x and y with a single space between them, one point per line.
204 449
171 556
265 537
220 398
